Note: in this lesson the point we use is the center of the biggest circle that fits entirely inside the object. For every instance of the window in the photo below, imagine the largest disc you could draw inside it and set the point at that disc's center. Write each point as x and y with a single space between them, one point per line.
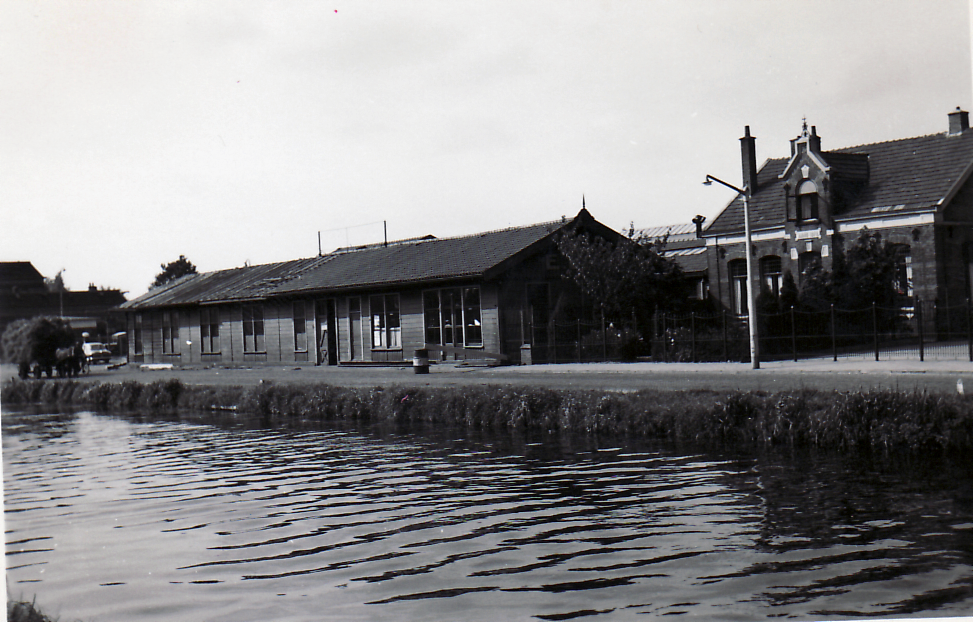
209 330
472 328
452 316
770 274
386 329
737 270
808 263
807 201
700 288
300 326
170 332
137 333
253 329
902 254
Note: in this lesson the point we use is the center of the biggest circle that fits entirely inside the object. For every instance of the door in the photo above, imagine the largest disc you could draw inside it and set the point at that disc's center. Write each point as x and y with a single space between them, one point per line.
327 334
538 312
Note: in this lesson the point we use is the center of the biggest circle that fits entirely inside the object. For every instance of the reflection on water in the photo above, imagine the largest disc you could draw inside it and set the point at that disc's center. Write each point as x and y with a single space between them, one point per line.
115 519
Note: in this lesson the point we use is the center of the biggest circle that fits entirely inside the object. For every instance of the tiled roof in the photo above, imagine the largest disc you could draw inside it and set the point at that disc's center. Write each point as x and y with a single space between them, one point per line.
422 260
904 176
690 259
682 231
246 283
425 260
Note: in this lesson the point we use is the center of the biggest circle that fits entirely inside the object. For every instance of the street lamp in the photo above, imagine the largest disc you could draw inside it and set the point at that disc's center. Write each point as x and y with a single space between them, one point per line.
751 295
60 290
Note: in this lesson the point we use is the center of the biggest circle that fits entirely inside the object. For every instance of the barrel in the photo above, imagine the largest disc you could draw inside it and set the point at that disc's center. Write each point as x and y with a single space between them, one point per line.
420 362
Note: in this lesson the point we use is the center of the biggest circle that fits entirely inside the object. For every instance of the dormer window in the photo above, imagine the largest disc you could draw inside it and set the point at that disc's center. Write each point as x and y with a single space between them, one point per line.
807 201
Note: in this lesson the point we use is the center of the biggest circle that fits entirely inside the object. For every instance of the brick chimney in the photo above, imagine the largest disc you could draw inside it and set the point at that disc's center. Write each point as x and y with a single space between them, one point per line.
814 141
748 151
959 121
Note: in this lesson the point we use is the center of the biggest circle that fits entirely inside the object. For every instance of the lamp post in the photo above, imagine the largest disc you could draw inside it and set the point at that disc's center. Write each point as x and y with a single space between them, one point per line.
751 295
60 291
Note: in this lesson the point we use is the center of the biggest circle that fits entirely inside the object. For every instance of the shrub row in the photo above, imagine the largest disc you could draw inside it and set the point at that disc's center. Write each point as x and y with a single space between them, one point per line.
877 420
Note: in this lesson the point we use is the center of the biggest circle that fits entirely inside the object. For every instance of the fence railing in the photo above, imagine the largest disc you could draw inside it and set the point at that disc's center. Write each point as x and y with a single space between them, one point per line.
924 330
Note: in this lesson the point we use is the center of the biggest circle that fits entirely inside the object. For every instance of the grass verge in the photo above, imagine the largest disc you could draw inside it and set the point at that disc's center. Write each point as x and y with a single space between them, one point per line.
875 420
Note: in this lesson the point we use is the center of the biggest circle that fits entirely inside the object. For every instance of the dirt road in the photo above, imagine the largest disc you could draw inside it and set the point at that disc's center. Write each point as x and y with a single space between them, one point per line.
845 375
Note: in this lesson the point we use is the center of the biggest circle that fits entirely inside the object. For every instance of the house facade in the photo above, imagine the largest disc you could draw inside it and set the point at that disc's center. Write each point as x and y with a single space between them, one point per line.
916 192
24 295
487 296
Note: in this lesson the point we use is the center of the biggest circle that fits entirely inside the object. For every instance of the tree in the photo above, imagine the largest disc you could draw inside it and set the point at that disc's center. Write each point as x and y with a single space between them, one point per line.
173 270
35 341
625 277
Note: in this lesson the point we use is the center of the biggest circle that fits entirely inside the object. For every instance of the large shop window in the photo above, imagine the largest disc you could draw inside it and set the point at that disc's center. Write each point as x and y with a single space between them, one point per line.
170 332
738 286
300 326
452 316
770 274
386 326
209 330
253 329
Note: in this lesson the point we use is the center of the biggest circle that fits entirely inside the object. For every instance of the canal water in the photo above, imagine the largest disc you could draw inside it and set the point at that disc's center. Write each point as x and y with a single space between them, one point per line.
134 519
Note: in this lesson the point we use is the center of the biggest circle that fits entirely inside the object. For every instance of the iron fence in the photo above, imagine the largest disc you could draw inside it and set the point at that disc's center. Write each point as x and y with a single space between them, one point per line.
924 330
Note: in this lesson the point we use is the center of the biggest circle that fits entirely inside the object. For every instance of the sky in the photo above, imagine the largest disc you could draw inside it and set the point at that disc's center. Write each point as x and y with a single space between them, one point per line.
232 132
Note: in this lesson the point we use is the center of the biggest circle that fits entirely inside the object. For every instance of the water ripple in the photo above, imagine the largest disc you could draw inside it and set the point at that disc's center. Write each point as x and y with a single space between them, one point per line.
169 515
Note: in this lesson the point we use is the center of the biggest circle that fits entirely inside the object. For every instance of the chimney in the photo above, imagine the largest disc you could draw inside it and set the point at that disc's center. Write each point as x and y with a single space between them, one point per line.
748 151
959 121
814 141
698 221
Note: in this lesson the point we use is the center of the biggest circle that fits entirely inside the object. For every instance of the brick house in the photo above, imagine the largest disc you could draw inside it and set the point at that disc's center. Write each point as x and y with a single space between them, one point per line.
481 296
24 295
916 192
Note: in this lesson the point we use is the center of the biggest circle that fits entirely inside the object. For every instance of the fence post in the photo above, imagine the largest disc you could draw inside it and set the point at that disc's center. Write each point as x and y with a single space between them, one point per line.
692 329
834 337
969 329
921 331
579 340
726 353
875 327
553 333
793 335
655 334
665 337
604 336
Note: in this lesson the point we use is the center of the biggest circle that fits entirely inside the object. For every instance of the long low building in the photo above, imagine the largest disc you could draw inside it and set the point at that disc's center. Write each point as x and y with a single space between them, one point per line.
484 296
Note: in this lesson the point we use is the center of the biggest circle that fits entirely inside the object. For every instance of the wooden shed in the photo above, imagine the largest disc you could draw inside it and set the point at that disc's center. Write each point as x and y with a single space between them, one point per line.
481 296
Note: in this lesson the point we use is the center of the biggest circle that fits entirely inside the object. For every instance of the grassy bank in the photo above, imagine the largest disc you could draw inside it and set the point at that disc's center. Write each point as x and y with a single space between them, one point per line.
25 611
885 421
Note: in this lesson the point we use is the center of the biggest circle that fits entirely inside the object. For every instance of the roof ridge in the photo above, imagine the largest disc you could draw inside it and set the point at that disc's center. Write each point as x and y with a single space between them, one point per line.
430 238
886 142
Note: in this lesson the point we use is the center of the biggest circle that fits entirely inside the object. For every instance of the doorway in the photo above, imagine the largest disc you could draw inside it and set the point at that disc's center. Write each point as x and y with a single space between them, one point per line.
327 332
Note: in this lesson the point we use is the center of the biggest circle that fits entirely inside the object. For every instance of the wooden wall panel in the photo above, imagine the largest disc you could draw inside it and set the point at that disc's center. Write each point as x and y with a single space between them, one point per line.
490 317
272 327
410 317
194 348
233 329
344 329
